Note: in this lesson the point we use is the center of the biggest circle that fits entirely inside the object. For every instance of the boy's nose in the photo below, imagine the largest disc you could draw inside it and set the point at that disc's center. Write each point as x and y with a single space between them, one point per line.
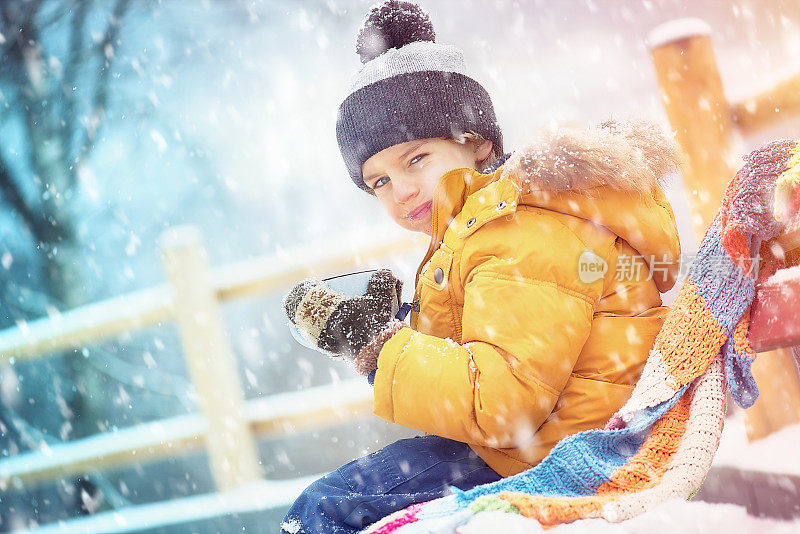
404 192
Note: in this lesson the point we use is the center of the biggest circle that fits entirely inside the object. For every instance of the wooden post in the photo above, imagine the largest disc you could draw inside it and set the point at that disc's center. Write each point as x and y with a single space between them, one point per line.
778 403
775 324
209 358
692 92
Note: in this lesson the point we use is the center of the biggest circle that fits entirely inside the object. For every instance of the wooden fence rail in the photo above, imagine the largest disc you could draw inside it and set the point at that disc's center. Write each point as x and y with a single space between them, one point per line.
275 415
154 306
766 108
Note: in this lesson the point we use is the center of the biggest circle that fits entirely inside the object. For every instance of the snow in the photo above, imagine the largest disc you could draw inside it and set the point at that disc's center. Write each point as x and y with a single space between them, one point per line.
686 517
776 453
181 236
292 526
675 30
781 276
260 495
209 100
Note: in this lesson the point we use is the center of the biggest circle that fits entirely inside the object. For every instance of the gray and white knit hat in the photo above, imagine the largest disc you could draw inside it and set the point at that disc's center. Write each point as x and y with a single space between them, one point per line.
409 88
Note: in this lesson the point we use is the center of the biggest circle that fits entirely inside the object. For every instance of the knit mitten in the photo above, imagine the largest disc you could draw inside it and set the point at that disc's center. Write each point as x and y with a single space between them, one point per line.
354 327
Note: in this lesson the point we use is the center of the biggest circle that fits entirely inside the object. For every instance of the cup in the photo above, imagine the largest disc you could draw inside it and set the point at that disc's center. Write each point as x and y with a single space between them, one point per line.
350 284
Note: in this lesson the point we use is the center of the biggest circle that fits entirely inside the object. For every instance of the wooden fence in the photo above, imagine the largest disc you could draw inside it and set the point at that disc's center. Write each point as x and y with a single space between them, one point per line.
226 425
708 129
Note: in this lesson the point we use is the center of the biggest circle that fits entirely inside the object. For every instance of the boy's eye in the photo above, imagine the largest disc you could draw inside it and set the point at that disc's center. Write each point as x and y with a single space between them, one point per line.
416 159
380 182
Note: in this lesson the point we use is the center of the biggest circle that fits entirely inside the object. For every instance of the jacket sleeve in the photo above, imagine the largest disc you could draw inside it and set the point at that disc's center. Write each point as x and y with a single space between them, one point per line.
526 317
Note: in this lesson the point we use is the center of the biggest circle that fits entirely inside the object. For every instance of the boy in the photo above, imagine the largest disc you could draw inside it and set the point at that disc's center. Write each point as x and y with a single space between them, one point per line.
525 332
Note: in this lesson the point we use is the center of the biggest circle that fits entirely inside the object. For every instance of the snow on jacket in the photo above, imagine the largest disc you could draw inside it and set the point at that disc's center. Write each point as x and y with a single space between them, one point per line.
534 323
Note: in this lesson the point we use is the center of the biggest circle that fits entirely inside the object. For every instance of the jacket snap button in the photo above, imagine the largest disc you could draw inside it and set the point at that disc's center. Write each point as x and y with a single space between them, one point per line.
470 222
501 205
438 275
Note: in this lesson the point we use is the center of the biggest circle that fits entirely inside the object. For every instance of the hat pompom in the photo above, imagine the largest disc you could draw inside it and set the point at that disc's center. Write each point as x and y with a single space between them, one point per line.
392 24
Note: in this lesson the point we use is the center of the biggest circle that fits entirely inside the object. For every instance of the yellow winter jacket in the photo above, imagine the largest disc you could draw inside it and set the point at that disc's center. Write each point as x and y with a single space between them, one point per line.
539 296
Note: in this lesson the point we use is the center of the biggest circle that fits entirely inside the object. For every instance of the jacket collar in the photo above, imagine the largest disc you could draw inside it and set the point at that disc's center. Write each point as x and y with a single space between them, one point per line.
610 175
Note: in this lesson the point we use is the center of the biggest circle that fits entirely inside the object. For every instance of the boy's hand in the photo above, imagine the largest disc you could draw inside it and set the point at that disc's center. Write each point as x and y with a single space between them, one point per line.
353 327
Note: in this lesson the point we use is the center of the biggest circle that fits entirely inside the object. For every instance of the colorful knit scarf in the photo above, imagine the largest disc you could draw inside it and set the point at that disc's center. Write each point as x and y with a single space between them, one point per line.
661 443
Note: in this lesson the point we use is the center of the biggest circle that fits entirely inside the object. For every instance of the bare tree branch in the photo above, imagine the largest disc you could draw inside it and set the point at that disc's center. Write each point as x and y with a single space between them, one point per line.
27 54
105 49
13 196
12 16
71 71
4 29
57 16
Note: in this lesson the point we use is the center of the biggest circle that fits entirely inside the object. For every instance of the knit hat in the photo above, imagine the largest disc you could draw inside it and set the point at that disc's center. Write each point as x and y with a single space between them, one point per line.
409 88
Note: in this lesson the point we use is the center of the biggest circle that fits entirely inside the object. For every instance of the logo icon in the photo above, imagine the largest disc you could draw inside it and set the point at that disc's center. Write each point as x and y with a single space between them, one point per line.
591 267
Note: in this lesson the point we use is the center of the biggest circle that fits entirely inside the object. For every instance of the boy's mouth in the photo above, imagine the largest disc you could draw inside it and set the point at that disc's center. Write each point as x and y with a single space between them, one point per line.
420 211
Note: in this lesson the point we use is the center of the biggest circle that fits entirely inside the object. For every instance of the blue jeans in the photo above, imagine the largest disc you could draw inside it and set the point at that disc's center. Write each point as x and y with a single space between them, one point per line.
367 489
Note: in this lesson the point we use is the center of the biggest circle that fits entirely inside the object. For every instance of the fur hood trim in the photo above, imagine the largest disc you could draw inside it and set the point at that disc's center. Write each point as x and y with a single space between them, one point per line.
631 156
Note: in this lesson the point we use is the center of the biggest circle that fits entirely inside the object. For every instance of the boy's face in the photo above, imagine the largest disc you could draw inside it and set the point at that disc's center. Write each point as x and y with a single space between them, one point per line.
404 176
